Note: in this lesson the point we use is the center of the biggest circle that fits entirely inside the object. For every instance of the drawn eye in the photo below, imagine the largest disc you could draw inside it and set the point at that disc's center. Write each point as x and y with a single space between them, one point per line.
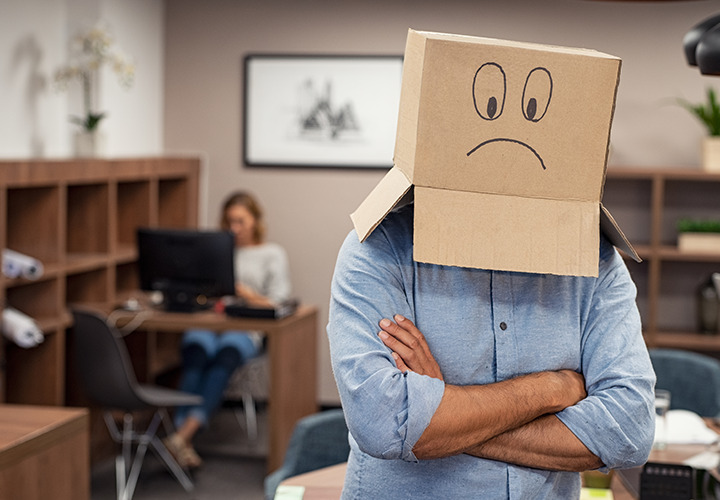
537 94
489 91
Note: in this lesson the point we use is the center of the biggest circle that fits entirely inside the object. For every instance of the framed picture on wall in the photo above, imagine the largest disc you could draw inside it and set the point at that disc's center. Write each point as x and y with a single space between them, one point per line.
321 110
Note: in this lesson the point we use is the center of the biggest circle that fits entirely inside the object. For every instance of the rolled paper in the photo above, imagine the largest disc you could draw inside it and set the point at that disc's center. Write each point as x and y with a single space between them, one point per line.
20 328
16 264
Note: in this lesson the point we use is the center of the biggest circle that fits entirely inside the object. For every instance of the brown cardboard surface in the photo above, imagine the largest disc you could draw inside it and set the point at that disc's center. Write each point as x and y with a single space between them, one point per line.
560 156
506 144
379 202
534 235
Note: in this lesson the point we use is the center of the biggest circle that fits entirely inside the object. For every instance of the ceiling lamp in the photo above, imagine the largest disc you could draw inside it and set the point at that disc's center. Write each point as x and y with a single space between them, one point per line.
702 46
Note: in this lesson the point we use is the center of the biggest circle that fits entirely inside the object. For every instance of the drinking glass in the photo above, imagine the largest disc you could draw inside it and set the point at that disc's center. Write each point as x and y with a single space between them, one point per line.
662 405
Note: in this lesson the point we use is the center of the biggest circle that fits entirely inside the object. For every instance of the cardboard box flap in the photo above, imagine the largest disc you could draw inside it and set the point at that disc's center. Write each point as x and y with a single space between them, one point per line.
506 233
381 200
613 232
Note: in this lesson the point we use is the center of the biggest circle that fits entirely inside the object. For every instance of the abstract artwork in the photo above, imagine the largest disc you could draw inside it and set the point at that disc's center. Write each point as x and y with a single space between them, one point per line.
321 111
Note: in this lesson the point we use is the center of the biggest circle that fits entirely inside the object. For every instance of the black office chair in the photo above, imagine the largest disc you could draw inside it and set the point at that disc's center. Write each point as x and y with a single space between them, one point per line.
108 379
318 440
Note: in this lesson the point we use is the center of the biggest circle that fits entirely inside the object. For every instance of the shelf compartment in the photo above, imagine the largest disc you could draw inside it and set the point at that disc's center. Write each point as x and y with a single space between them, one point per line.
47 358
35 222
91 286
173 204
679 282
628 201
134 210
688 199
87 218
36 299
127 280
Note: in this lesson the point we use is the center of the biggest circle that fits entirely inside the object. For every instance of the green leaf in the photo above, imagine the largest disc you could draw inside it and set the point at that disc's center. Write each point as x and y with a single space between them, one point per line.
688 225
90 122
708 113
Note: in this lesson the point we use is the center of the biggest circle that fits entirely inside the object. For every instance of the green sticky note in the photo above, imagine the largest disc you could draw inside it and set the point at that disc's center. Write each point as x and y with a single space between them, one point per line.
596 494
285 492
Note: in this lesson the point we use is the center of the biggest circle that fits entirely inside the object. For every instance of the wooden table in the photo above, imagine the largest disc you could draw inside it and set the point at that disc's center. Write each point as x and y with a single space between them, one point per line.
673 454
44 453
321 484
292 353
327 483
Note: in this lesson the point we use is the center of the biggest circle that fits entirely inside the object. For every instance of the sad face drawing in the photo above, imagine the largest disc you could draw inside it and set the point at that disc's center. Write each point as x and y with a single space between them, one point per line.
490 94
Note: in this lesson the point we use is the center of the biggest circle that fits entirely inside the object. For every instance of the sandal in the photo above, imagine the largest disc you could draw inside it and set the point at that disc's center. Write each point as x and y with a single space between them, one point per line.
184 454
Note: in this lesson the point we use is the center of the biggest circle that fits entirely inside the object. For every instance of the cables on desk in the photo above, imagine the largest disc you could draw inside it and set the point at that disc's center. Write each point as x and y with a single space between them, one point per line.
132 325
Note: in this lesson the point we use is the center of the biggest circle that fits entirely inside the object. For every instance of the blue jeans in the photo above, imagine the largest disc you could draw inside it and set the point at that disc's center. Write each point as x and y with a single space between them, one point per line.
209 359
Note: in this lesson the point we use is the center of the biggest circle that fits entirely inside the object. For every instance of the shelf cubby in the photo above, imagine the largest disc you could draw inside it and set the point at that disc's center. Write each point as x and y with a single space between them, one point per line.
87 219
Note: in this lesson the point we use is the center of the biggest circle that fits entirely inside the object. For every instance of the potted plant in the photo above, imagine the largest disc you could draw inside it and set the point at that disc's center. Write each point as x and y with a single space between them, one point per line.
89 51
699 235
709 115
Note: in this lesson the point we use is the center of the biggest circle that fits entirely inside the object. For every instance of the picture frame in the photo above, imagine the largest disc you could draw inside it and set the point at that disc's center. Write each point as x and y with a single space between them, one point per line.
321 110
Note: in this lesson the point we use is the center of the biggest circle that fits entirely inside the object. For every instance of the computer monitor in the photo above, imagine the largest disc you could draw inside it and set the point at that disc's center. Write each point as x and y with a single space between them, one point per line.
189 267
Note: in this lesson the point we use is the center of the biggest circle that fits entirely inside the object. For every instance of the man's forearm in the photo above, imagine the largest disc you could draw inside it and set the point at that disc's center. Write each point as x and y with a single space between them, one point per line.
471 415
544 443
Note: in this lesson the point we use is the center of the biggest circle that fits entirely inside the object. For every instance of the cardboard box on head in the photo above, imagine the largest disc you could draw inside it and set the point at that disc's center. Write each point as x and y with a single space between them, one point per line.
504 145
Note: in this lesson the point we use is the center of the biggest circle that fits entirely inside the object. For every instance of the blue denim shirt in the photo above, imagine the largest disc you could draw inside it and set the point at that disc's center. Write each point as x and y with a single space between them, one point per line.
590 325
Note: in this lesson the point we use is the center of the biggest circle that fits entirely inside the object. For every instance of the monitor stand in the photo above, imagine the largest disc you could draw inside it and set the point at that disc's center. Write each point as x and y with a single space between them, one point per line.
179 300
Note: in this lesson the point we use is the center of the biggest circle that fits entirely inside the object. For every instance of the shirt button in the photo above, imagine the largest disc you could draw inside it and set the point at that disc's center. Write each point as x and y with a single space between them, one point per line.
503 326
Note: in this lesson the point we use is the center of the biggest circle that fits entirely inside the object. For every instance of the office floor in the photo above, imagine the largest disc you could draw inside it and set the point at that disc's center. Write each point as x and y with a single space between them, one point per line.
233 468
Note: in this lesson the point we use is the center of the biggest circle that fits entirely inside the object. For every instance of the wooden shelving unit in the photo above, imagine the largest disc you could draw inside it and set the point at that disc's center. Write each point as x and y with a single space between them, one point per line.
648 202
79 218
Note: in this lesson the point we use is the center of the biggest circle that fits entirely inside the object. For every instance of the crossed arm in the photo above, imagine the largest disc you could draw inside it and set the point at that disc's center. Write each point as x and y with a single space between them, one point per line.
511 421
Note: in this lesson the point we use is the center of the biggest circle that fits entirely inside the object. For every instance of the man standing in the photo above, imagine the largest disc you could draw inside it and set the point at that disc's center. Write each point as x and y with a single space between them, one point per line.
472 360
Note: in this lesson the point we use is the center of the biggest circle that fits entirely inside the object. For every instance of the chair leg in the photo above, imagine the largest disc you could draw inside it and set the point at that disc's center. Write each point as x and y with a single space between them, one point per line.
250 415
143 441
162 452
126 480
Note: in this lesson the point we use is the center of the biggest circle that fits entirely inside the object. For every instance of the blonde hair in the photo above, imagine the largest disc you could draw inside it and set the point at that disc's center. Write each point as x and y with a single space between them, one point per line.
245 199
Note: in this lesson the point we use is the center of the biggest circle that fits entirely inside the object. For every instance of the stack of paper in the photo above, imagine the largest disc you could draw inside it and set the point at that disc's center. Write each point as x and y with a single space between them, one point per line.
686 427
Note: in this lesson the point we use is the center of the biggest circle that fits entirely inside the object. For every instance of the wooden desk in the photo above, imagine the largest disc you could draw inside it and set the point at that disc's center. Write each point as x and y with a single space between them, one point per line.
292 353
321 484
327 483
44 453
673 454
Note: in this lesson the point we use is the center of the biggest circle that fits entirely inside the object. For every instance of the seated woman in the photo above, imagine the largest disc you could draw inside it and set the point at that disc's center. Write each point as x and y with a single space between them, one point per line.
209 358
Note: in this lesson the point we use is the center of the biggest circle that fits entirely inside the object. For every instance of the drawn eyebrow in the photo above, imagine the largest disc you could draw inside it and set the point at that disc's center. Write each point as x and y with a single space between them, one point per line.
542 163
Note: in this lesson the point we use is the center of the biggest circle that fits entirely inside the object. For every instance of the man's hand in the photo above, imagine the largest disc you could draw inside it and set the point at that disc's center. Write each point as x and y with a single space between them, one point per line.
409 347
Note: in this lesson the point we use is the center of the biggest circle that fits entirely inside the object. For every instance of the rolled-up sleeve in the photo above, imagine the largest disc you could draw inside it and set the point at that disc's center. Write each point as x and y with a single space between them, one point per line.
616 421
387 411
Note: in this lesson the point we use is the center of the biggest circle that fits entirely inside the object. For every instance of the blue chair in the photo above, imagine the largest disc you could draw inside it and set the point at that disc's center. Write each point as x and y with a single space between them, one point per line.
693 380
318 440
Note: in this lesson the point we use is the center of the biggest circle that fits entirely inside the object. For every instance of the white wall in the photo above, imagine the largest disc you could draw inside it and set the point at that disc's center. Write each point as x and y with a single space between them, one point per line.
32 42
34 38
308 208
